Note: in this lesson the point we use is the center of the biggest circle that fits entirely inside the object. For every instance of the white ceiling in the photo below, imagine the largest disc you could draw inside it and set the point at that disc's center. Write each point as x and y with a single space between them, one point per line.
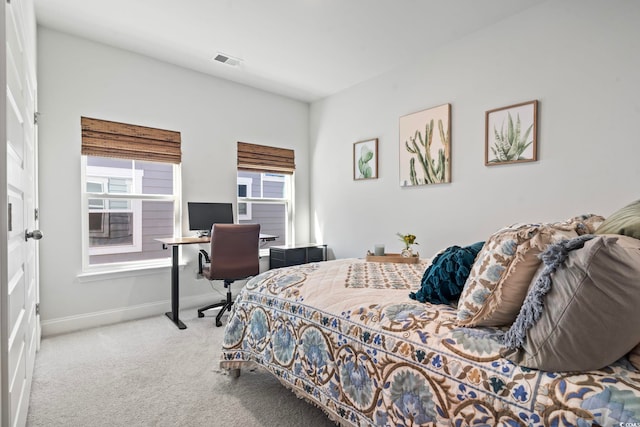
304 49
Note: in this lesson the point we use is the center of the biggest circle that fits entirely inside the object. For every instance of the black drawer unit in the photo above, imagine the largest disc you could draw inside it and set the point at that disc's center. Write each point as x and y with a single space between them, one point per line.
286 255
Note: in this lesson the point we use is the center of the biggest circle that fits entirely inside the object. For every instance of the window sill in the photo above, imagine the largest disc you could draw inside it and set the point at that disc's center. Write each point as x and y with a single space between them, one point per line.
117 272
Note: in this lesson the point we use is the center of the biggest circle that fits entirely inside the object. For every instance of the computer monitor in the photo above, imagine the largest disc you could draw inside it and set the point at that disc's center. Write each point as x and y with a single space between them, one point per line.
203 215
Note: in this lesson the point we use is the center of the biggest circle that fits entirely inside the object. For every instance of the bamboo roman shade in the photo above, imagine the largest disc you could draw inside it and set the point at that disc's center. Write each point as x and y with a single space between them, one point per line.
112 139
261 158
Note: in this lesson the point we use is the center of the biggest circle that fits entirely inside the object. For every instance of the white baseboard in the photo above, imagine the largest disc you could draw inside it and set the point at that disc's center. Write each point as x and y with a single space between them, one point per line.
78 322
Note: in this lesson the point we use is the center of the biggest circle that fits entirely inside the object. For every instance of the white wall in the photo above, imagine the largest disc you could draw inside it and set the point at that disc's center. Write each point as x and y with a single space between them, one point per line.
580 59
81 78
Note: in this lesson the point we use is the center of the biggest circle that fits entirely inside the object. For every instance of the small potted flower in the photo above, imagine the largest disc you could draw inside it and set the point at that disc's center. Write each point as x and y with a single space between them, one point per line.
408 240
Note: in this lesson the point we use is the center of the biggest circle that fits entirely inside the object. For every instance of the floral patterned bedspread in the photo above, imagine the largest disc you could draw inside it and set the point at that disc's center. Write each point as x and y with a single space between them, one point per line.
344 335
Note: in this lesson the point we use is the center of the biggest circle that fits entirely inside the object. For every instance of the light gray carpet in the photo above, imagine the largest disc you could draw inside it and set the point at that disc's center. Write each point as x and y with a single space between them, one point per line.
149 373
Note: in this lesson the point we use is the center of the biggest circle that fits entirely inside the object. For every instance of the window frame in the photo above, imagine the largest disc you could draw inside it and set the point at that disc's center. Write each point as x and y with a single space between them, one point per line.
137 199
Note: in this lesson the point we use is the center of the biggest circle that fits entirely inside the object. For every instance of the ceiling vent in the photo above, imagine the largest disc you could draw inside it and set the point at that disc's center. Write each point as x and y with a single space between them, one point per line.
227 59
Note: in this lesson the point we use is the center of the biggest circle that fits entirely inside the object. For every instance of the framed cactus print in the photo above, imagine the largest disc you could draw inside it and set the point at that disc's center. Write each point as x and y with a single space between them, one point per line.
425 147
511 134
365 159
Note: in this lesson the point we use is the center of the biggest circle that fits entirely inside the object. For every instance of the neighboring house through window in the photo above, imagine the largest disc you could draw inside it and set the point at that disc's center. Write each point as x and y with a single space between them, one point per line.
245 183
130 196
115 225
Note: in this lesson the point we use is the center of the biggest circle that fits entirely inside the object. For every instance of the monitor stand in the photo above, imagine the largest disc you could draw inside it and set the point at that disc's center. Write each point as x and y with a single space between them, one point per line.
204 233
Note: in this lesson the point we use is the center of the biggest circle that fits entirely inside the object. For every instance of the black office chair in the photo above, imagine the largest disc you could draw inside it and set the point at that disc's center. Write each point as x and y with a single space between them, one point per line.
234 256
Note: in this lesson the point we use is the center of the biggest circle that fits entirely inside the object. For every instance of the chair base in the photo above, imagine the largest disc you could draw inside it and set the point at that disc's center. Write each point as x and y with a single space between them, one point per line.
225 304
201 311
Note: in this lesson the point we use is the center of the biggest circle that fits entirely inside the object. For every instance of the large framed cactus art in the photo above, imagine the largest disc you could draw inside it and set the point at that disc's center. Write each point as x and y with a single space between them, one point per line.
365 159
511 134
425 147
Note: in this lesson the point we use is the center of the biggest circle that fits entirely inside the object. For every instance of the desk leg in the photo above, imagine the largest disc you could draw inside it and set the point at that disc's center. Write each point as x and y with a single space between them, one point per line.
175 290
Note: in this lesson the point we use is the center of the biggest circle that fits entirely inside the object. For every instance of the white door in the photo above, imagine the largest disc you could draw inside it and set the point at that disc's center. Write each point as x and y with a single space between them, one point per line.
20 321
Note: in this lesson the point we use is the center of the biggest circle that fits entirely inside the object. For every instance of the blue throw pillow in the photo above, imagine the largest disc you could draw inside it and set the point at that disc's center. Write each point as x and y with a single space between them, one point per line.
444 279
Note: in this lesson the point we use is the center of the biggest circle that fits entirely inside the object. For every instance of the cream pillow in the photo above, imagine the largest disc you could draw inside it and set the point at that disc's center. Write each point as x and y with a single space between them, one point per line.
502 272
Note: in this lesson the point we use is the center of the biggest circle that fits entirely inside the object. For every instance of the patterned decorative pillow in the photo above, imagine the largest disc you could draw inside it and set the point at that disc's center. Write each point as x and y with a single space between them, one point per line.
503 270
585 224
625 221
443 280
634 357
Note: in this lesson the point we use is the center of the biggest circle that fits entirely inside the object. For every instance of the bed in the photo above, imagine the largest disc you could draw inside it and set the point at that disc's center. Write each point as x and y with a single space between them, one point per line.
345 336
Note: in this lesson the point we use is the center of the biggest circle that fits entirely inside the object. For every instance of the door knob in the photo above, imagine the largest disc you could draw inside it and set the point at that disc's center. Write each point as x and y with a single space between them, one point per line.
35 235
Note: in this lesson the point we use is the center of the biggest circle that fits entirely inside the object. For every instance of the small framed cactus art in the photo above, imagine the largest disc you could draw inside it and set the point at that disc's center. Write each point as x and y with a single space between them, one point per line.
511 134
365 159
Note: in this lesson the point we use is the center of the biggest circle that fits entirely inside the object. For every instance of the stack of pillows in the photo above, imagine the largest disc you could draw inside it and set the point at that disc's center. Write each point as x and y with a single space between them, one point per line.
578 310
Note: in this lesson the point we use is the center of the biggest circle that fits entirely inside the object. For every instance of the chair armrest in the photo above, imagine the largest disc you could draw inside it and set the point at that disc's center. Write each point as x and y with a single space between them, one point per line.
203 255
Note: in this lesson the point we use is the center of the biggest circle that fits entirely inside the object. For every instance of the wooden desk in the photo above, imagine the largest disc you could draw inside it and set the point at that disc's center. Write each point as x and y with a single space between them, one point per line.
175 243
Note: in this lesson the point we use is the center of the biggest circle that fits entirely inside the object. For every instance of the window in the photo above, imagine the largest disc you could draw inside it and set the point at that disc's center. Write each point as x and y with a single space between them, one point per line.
265 190
266 202
129 198
114 225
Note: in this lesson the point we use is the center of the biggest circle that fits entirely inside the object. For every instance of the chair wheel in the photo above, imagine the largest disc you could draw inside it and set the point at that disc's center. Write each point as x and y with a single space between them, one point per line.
218 323
200 314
